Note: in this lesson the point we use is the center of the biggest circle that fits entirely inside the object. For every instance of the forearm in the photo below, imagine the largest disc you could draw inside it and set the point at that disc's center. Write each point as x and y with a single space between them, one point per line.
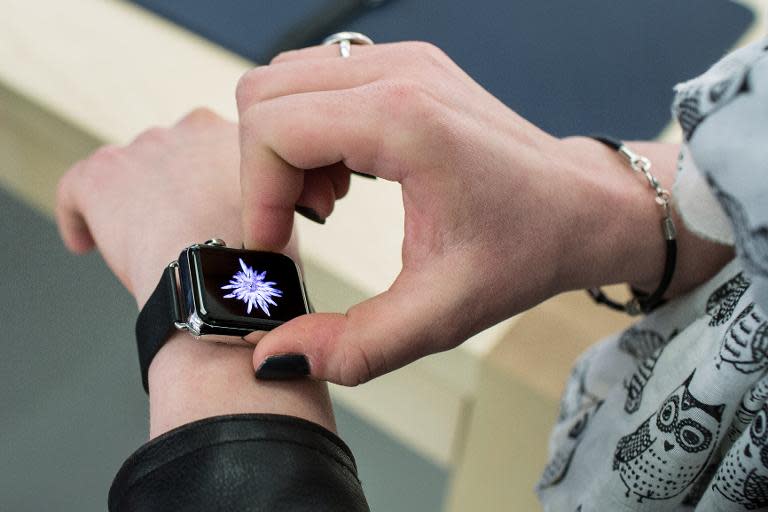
628 246
221 440
191 380
285 455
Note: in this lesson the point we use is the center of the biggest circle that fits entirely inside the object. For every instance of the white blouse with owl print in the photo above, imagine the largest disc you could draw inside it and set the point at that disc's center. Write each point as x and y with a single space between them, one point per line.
672 413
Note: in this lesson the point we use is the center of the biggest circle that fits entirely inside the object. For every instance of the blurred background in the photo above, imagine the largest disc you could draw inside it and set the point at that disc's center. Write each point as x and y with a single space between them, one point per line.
443 434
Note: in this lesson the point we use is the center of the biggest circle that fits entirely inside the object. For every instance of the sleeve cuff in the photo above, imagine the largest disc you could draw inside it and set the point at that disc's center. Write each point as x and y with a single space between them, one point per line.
255 461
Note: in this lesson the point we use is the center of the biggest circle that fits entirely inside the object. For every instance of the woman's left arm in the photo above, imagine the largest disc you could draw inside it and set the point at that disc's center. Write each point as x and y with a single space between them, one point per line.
221 440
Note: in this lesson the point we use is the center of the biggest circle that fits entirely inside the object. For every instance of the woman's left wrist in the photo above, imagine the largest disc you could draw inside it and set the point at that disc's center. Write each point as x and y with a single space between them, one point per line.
191 379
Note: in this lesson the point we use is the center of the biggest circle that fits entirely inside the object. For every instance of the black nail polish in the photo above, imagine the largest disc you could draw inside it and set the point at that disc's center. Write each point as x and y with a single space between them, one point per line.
309 213
364 175
283 367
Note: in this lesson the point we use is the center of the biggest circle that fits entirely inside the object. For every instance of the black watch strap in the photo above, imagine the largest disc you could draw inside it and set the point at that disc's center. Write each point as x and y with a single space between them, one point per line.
157 321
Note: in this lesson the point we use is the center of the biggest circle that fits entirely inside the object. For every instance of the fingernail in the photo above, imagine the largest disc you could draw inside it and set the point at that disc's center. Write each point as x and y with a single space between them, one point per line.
309 213
254 337
283 367
364 175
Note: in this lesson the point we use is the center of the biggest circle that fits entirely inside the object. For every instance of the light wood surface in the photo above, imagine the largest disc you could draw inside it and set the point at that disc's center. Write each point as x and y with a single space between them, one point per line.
518 397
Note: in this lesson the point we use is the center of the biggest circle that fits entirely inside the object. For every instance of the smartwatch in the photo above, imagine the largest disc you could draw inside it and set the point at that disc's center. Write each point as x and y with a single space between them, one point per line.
219 294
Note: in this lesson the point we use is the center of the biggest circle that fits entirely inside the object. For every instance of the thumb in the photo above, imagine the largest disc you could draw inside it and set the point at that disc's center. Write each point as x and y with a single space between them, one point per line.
374 337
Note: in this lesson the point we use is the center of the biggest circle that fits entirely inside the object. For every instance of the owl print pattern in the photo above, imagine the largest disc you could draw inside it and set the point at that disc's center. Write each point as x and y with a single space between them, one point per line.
752 242
694 104
743 474
646 346
750 405
670 449
723 301
558 465
745 344
668 438
576 396
700 486
635 384
689 114
640 343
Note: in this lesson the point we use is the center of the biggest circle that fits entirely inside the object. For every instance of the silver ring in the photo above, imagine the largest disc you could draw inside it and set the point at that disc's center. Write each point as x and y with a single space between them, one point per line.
345 40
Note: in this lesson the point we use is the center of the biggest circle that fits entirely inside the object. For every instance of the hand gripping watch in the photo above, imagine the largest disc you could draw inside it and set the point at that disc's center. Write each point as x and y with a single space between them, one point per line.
219 294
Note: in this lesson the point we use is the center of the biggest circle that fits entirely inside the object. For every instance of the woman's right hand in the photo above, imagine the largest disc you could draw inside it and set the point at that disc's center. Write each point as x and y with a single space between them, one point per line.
498 214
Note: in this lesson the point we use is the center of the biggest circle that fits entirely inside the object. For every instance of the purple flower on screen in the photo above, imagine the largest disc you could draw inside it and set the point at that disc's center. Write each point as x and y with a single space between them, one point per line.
250 287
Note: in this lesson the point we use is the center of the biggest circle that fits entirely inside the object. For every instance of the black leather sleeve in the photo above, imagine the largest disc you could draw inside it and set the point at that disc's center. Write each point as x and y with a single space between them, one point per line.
244 462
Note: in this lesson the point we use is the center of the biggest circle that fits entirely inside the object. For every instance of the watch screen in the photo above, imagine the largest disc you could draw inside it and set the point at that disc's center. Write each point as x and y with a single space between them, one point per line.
243 287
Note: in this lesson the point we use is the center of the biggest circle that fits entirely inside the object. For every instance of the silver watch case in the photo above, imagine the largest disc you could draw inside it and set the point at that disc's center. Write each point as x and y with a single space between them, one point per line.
188 302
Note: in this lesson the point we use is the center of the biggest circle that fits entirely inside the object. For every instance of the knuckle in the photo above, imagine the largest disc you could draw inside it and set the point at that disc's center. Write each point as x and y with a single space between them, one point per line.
78 180
408 95
200 115
249 85
283 56
411 107
93 173
426 57
428 52
102 156
153 135
428 48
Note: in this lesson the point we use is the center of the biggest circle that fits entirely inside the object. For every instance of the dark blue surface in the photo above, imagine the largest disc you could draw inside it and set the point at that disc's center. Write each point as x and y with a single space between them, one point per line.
570 67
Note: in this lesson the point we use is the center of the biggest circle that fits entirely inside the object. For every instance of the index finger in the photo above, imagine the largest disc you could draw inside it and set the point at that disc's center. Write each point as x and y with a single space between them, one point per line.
270 188
282 137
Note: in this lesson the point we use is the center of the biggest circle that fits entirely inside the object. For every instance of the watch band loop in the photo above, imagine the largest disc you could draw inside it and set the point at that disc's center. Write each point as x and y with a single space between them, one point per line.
157 320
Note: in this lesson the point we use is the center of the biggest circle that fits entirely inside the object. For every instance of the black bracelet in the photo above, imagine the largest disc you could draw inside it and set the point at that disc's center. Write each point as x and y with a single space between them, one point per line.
644 302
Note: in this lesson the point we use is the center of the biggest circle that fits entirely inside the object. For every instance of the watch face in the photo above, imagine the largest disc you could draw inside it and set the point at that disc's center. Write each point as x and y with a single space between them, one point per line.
247 288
